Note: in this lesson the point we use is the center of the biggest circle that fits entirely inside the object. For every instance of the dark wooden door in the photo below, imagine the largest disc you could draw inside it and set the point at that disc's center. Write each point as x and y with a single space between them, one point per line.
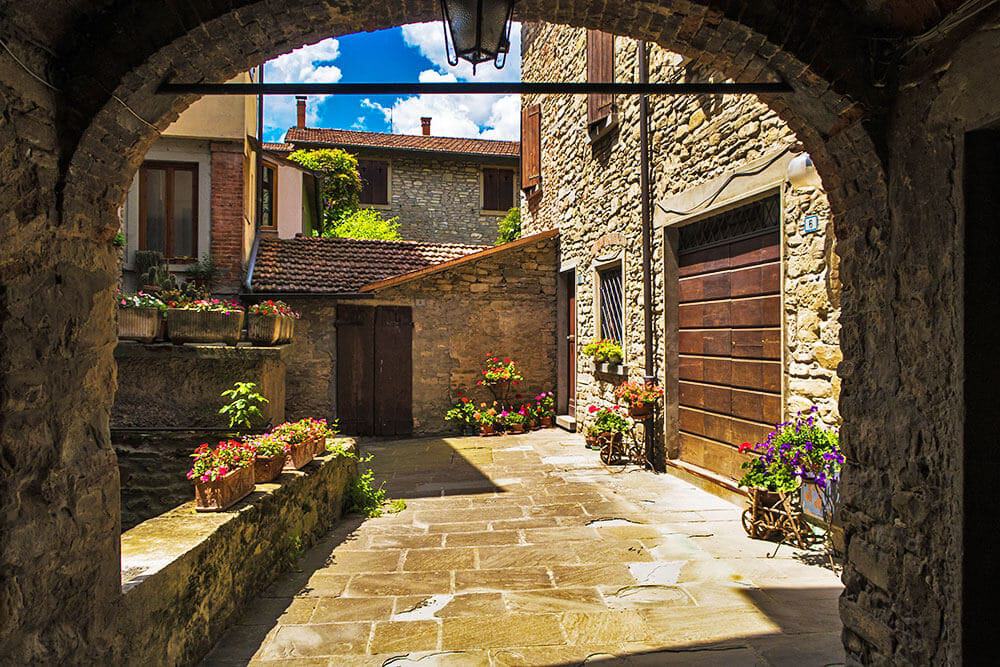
375 370
355 364
393 404
571 342
729 321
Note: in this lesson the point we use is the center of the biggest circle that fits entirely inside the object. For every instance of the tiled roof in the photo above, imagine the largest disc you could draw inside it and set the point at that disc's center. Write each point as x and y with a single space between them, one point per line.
413 142
282 149
341 266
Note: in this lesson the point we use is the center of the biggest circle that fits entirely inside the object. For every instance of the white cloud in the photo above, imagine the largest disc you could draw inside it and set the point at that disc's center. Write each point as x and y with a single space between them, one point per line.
482 116
308 64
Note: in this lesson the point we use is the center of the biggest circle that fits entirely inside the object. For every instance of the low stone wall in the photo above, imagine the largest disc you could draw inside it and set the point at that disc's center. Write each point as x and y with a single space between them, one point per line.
165 385
185 575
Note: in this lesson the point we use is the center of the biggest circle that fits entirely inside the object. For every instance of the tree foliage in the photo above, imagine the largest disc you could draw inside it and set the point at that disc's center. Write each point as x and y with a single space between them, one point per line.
341 182
365 223
509 227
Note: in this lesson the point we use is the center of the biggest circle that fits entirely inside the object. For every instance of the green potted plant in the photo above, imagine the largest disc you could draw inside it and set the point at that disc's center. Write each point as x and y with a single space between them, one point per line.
499 375
487 418
271 322
515 421
306 439
606 353
545 408
222 476
205 321
611 425
462 414
139 316
270 453
641 398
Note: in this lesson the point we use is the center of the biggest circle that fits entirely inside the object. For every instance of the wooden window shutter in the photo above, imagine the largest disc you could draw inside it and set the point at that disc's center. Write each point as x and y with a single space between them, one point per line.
531 146
600 69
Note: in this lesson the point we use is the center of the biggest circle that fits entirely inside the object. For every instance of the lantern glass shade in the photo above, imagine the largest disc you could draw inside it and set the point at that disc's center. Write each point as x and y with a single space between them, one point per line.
479 29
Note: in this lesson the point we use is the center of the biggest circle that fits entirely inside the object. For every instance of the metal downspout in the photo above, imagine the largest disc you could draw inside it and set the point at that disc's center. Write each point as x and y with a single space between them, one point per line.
645 173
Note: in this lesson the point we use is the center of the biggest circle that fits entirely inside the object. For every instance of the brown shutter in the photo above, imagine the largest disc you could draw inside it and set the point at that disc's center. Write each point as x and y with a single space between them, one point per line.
380 184
490 189
531 146
600 69
505 189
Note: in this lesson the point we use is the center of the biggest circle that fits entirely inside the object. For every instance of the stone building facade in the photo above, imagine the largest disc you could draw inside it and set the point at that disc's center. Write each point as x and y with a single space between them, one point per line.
710 157
442 189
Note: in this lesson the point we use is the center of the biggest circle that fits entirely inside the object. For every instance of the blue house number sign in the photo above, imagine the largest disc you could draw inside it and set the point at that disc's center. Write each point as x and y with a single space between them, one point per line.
810 224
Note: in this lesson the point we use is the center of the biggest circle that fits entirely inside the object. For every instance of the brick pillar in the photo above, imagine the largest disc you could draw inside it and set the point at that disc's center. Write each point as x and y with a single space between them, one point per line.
227 215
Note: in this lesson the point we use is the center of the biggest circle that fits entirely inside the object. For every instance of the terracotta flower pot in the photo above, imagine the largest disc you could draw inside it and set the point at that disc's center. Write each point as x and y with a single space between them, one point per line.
640 410
267 468
486 430
546 422
300 455
141 324
192 326
225 492
517 428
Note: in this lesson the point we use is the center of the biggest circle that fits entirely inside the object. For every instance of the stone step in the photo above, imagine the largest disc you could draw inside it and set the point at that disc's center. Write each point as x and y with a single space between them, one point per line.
706 480
566 422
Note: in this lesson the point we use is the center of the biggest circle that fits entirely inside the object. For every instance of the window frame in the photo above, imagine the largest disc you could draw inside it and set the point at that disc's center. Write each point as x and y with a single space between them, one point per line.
482 189
600 269
388 183
170 167
273 166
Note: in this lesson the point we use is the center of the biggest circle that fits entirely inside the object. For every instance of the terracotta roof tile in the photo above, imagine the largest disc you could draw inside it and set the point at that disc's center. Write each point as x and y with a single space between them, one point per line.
434 144
339 266
281 149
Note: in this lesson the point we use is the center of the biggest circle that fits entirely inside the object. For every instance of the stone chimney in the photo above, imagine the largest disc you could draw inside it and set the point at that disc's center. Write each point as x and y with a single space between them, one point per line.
300 111
425 125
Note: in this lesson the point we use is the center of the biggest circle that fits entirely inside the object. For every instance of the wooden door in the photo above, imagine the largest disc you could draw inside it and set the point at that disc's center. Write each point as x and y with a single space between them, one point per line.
355 369
571 342
729 321
393 365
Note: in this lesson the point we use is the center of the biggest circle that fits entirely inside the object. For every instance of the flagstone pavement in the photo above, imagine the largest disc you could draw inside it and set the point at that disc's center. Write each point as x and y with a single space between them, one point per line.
526 550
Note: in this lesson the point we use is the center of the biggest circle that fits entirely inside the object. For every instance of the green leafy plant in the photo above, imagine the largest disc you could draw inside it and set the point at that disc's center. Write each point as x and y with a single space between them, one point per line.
365 223
604 350
545 404
396 506
244 407
341 447
513 418
487 415
208 306
802 449
340 181
509 227
639 394
203 272
364 495
610 419
463 411
139 300
118 240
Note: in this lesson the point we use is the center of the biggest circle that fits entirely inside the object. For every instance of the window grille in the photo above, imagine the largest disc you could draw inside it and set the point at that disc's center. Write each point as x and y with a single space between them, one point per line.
741 222
612 304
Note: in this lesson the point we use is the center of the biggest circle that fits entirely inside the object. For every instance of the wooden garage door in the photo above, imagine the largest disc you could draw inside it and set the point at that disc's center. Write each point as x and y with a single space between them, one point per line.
729 320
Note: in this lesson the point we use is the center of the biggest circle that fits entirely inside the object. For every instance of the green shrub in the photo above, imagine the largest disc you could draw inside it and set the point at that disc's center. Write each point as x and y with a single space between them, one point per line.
509 227
340 180
365 223
244 407
364 496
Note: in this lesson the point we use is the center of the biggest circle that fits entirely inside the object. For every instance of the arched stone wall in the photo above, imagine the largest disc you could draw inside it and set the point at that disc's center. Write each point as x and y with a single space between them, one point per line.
72 152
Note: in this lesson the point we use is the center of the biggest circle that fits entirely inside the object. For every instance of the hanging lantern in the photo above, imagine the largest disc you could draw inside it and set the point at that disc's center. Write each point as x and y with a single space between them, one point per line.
477 30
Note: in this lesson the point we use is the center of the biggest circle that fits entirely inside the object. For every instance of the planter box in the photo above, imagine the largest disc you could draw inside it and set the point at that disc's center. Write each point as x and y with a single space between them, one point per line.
141 324
318 446
224 493
300 455
517 428
546 422
610 369
640 411
270 329
191 326
267 468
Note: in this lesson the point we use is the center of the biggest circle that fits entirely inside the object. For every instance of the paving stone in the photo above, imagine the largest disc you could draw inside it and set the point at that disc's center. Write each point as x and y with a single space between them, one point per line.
392 541
592 575
501 631
339 610
405 636
604 627
350 562
555 600
439 559
485 538
314 640
399 583
271 611
508 579
527 555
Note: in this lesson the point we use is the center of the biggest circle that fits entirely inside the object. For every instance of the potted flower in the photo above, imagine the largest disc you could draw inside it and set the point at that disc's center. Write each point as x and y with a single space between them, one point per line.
306 439
499 375
222 476
514 420
640 397
205 321
271 322
139 316
611 424
270 454
796 452
487 418
545 408
606 353
463 414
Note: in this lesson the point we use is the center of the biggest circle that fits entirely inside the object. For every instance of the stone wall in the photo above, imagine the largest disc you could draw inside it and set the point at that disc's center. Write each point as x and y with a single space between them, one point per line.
179 386
186 575
501 304
439 198
590 191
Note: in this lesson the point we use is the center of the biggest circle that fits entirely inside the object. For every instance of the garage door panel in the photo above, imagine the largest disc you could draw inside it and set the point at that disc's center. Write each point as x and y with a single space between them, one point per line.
756 312
756 374
715 456
756 343
756 250
726 429
705 288
755 281
706 396
718 342
756 406
705 261
705 369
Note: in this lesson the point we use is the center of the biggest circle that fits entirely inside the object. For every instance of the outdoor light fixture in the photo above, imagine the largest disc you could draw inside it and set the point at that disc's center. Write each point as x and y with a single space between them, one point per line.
478 30
802 172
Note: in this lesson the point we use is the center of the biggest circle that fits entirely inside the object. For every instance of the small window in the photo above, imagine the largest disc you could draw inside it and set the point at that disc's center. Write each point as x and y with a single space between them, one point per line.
168 209
374 182
268 195
498 189
612 303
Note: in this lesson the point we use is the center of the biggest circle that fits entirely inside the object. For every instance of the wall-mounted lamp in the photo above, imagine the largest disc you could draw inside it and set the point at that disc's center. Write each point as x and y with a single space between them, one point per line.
477 30
802 172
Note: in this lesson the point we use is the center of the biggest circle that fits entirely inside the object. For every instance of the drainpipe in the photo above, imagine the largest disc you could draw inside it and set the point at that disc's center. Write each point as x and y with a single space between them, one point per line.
259 157
645 172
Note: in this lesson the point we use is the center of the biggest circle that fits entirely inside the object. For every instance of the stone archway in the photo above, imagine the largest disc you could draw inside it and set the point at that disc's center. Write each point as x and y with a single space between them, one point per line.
80 145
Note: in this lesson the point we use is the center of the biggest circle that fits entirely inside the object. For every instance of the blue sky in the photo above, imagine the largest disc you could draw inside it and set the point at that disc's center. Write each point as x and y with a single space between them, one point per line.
407 54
